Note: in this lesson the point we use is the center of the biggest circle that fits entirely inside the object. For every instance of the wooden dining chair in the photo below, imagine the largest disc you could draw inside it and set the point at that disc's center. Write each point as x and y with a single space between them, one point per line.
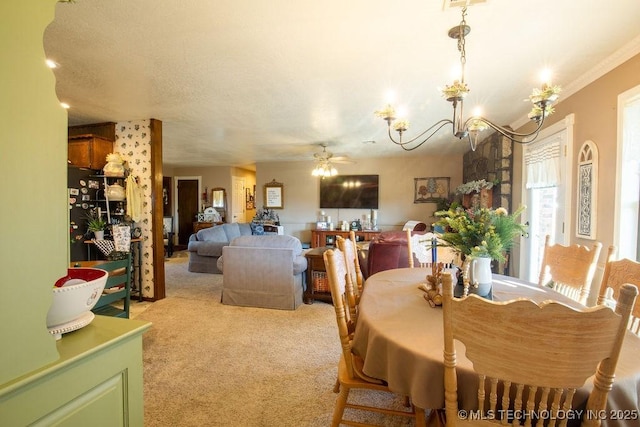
350 249
354 281
534 358
427 246
116 297
350 374
569 269
420 248
616 273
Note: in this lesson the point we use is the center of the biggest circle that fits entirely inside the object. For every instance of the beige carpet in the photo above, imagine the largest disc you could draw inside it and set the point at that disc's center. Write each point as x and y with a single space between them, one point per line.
208 364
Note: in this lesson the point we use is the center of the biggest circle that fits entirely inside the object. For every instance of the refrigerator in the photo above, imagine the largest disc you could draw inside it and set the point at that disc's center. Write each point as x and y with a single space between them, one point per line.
84 190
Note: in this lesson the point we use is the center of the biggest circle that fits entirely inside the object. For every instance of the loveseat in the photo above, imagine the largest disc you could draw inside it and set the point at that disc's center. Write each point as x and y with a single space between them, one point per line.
205 246
263 271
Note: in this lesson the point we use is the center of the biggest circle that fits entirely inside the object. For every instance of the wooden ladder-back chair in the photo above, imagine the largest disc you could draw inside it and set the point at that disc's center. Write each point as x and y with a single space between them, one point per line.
117 289
350 375
616 273
569 269
420 248
534 357
354 275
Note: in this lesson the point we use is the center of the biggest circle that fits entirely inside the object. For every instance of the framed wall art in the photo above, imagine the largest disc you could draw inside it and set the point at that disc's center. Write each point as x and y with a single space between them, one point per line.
431 189
274 195
587 190
249 199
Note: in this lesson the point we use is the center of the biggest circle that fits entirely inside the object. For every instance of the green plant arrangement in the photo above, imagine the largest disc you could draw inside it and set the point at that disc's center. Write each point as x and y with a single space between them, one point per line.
481 232
474 186
95 222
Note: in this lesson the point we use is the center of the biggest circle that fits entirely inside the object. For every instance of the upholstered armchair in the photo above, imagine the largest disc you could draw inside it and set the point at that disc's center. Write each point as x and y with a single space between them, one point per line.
263 271
387 250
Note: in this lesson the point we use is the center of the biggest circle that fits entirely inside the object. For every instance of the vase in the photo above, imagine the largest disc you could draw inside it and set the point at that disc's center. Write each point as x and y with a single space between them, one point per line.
477 275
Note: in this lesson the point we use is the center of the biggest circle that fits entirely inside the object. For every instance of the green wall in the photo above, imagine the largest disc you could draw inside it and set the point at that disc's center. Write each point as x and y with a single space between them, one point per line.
34 214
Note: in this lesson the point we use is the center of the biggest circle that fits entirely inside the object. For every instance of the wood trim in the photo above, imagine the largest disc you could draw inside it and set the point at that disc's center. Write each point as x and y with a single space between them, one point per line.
157 209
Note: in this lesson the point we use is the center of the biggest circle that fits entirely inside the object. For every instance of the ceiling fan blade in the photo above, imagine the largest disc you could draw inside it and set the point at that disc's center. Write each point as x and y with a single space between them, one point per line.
342 159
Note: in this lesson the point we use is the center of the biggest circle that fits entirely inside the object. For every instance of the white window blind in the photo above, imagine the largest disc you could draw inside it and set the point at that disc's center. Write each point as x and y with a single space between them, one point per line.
542 163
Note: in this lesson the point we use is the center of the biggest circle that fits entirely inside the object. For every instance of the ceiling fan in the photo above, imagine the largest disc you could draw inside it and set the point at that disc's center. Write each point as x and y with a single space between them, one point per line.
328 156
324 160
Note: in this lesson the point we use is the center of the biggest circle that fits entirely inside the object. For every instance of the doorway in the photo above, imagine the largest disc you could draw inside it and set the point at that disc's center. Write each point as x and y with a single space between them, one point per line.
546 191
187 191
238 204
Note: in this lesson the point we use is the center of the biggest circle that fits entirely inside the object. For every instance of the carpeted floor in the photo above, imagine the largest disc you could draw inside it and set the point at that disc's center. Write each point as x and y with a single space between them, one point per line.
208 364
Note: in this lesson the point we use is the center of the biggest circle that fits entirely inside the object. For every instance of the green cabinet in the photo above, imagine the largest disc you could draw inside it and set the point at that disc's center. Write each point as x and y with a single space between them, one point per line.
97 380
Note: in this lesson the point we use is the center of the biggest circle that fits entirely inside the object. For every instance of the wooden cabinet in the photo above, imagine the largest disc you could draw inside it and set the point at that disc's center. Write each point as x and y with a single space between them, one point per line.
197 226
89 151
321 238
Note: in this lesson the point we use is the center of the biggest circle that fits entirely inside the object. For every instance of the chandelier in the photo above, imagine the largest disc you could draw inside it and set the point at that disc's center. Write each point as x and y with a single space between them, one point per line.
541 98
323 166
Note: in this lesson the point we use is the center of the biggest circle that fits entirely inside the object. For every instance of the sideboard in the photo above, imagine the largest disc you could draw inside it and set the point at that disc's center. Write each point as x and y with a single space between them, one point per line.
96 381
321 238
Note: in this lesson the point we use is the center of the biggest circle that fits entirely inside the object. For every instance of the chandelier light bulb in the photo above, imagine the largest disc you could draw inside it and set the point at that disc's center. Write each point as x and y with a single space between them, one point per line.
456 73
545 76
402 113
391 97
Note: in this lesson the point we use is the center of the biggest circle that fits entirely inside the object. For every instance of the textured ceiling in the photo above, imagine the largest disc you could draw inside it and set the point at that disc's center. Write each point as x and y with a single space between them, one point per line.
239 82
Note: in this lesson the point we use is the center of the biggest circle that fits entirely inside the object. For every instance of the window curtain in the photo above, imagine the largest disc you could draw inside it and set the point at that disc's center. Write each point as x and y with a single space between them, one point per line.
542 163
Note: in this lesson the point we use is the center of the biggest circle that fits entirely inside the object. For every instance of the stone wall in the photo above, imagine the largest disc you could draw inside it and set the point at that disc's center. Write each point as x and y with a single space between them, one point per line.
492 161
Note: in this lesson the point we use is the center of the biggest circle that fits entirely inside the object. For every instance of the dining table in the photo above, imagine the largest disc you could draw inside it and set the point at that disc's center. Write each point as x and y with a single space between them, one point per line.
400 337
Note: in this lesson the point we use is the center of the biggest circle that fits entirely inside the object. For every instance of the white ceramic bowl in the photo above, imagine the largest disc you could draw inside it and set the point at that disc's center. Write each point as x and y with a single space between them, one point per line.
80 292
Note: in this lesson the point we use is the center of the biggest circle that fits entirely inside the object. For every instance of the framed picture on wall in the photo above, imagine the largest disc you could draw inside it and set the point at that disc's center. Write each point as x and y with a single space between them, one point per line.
249 199
274 195
431 189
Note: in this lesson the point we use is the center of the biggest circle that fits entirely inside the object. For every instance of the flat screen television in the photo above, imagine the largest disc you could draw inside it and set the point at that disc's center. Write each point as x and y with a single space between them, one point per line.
349 192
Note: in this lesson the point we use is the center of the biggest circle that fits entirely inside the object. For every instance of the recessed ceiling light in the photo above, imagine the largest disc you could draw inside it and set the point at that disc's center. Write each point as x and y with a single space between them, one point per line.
51 63
65 105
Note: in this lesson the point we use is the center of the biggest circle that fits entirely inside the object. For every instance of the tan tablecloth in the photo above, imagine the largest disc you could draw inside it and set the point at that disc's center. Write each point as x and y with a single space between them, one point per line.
401 338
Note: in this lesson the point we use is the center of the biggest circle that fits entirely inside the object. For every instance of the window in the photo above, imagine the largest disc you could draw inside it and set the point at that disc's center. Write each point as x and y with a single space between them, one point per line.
626 233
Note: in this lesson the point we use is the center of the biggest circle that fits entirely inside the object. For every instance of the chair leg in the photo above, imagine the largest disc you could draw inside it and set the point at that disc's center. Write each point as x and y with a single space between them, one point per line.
420 417
341 402
336 387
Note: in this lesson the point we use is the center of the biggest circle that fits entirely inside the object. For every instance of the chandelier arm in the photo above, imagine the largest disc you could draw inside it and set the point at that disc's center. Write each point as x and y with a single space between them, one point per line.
438 124
508 133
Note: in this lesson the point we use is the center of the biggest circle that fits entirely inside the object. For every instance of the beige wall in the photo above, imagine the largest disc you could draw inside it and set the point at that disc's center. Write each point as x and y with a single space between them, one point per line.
596 115
301 190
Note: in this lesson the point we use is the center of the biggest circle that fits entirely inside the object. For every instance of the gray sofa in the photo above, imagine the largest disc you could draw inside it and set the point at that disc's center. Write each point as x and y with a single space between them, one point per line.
205 246
263 271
